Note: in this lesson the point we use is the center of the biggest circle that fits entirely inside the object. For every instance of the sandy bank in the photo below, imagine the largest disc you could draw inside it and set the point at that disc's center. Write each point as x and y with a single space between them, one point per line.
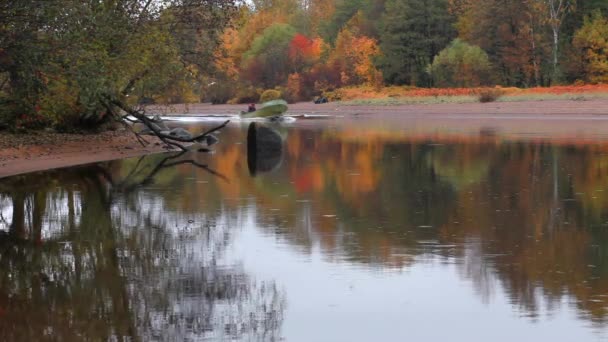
42 151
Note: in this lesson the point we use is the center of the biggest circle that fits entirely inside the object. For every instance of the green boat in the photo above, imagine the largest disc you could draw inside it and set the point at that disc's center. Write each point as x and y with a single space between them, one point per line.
269 109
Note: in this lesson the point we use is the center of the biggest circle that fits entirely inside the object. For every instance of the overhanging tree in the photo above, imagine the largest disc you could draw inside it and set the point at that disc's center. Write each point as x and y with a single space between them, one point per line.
72 61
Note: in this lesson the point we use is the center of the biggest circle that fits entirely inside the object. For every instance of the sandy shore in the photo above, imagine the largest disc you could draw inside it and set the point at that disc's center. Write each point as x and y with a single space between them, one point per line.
41 151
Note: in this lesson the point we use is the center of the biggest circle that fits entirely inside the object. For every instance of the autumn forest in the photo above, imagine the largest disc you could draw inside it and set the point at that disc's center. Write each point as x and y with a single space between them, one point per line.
305 48
63 63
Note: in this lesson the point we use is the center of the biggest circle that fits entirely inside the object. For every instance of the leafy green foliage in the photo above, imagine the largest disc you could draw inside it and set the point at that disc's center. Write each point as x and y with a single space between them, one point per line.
461 65
267 62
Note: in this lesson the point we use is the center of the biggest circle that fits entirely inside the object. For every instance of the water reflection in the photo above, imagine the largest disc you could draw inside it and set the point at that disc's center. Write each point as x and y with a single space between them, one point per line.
83 259
264 148
150 253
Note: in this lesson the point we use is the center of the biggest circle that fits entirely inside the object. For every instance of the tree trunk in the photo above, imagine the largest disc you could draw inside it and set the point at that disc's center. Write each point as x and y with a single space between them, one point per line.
555 47
534 62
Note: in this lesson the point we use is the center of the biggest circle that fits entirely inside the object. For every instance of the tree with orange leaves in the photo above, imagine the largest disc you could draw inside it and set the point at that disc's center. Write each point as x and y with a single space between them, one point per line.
304 51
354 57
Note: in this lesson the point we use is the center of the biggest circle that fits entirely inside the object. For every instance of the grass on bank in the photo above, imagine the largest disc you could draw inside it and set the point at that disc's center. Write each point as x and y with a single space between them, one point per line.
394 101
407 95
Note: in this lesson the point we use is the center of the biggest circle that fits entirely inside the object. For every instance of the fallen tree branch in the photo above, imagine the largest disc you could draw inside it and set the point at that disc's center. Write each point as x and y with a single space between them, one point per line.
166 138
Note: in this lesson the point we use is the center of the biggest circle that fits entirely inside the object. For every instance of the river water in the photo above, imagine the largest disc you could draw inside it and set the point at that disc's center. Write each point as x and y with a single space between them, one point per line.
356 229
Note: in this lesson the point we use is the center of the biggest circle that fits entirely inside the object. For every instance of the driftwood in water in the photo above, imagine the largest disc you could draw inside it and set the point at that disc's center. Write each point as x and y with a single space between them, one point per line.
264 149
172 138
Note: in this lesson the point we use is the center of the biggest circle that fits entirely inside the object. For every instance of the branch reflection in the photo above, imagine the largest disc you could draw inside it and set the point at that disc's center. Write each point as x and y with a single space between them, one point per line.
87 254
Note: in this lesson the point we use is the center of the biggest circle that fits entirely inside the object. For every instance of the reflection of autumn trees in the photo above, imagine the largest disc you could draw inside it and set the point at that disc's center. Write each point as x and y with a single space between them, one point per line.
532 229
530 216
49 286
83 260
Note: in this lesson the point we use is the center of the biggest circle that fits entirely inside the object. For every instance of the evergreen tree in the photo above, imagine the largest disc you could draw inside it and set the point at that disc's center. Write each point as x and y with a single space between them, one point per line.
414 31
370 11
344 11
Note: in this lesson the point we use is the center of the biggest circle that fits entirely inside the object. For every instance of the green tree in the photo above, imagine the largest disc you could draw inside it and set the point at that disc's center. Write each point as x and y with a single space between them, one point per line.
366 15
413 33
267 61
583 9
461 65
344 11
591 42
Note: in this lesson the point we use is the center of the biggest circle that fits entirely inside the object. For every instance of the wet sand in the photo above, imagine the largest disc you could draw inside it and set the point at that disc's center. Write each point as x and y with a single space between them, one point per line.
585 121
42 151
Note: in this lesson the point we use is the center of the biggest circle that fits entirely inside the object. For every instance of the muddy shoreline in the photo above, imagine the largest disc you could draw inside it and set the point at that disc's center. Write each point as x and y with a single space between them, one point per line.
41 151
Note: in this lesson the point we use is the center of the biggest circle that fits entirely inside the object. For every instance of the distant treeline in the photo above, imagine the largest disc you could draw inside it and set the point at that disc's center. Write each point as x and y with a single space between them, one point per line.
305 47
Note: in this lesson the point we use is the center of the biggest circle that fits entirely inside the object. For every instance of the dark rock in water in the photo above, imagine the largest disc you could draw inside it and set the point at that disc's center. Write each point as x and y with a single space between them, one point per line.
212 139
264 149
180 133
209 139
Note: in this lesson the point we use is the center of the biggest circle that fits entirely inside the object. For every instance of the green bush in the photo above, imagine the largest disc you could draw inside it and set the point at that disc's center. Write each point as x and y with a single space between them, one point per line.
270 94
461 65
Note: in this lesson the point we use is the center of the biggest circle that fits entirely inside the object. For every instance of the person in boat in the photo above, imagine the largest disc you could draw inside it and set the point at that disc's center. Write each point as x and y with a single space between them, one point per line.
251 108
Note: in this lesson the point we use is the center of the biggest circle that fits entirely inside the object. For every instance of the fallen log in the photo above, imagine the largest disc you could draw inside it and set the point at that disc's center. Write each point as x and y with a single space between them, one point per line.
170 138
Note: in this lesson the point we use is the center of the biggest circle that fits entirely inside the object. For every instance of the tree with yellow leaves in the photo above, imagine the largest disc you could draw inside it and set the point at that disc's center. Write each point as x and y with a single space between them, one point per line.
354 56
591 41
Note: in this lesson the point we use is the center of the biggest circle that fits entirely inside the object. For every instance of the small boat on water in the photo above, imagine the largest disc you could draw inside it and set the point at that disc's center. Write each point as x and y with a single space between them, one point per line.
269 109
